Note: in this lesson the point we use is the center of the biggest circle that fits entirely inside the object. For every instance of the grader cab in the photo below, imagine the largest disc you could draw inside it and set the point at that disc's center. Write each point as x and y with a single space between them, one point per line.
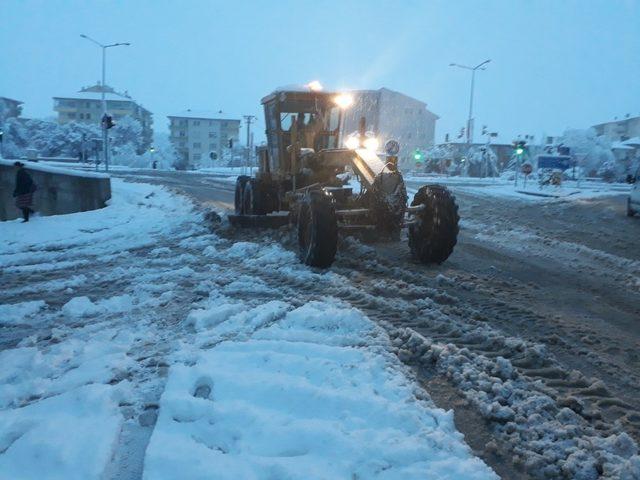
305 175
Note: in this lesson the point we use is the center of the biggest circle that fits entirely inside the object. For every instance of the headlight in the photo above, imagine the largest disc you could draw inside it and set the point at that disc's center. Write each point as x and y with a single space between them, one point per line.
371 143
344 100
352 143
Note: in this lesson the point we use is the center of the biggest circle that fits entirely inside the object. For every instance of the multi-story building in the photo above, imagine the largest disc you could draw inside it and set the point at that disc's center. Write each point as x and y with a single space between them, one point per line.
86 107
620 130
393 115
201 137
9 108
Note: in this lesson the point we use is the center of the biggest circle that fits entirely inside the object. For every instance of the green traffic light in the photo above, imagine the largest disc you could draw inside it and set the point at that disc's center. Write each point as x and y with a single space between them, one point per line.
519 151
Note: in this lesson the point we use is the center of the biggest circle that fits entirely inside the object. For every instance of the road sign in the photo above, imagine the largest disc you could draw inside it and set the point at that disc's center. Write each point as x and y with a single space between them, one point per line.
392 147
527 168
555 162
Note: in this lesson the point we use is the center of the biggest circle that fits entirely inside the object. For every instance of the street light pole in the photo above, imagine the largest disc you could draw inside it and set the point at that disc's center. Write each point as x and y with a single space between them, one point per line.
105 135
480 66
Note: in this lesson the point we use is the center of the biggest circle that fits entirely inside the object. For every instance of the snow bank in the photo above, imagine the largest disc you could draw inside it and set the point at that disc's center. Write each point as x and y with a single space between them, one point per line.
310 392
136 214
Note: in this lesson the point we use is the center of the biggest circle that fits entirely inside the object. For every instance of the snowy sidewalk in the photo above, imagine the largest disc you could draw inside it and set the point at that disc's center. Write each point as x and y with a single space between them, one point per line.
136 331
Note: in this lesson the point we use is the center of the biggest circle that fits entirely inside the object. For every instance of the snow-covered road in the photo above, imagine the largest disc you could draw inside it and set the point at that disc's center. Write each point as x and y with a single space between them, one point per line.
138 344
548 286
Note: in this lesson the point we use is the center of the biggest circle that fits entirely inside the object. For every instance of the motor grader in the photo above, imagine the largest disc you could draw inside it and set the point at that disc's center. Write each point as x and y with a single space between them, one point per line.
308 178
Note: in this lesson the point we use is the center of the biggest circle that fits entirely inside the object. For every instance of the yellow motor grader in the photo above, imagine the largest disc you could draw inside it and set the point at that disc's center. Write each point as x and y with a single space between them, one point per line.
303 179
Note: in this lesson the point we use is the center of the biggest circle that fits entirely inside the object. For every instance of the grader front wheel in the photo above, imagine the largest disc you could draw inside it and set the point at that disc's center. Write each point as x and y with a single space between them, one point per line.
239 194
317 230
434 233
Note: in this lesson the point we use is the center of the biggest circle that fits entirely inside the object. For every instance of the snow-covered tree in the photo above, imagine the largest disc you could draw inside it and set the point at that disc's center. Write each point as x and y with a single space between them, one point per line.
127 131
592 152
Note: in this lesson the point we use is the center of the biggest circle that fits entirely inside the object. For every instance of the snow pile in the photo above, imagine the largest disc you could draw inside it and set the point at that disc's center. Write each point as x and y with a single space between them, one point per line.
548 439
295 393
23 312
29 373
84 307
69 436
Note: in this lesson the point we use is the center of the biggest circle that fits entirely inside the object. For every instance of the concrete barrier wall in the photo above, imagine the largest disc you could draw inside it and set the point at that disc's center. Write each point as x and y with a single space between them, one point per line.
59 190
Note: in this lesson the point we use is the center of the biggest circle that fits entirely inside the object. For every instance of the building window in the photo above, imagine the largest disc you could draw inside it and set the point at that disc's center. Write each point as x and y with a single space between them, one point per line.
197 156
196 123
213 146
71 115
87 104
197 145
182 133
182 144
213 134
82 115
224 124
87 116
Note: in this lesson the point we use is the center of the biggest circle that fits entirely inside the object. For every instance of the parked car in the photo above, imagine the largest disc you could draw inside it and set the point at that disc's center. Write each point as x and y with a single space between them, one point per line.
633 202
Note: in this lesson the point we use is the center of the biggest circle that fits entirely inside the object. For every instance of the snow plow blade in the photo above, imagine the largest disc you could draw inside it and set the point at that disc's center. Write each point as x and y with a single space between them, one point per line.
259 221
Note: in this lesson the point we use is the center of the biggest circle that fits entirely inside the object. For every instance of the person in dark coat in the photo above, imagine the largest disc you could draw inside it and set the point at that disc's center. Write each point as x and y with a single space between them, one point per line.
23 193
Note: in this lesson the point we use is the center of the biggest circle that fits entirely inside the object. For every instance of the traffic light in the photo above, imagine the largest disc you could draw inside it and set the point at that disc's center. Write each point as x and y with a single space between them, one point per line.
417 155
107 121
519 146
231 143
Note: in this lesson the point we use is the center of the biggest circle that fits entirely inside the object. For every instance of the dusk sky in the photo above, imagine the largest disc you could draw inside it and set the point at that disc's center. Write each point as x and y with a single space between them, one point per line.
554 64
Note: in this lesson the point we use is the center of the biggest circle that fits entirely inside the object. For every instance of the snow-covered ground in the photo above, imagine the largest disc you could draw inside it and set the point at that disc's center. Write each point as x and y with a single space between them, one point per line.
505 187
136 331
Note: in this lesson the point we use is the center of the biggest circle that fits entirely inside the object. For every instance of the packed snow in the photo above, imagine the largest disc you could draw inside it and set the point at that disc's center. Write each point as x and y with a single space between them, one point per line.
153 317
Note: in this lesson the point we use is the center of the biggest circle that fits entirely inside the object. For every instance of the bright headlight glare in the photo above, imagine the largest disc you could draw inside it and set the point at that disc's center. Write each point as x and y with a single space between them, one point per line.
371 143
344 100
352 143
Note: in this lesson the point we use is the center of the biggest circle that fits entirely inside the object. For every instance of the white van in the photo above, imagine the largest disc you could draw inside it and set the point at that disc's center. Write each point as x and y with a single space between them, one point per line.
633 202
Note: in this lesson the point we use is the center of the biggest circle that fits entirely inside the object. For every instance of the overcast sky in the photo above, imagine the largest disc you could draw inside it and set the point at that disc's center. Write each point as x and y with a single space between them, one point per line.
555 64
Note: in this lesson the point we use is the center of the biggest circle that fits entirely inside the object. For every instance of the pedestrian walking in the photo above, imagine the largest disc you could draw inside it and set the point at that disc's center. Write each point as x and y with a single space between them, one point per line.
23 193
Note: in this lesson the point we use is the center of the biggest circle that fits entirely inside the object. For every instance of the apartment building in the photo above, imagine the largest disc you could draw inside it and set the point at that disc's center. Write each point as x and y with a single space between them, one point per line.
86 107
9 108
393 115
200 137
620 130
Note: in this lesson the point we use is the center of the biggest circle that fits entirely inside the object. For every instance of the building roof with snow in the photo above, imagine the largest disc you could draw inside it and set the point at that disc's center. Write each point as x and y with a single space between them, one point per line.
94 92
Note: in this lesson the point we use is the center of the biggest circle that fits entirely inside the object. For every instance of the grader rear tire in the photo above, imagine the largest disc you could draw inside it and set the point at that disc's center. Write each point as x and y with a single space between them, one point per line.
435 233
253 198
239 194
317 230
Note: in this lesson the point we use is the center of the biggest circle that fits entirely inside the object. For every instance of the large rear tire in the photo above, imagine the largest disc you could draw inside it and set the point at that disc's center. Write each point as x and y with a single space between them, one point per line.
239 194
317 230
253 198
435 233
630 211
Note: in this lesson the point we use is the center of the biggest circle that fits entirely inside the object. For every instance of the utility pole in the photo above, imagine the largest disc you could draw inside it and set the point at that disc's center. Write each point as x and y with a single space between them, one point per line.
105 133
480 66
248 120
